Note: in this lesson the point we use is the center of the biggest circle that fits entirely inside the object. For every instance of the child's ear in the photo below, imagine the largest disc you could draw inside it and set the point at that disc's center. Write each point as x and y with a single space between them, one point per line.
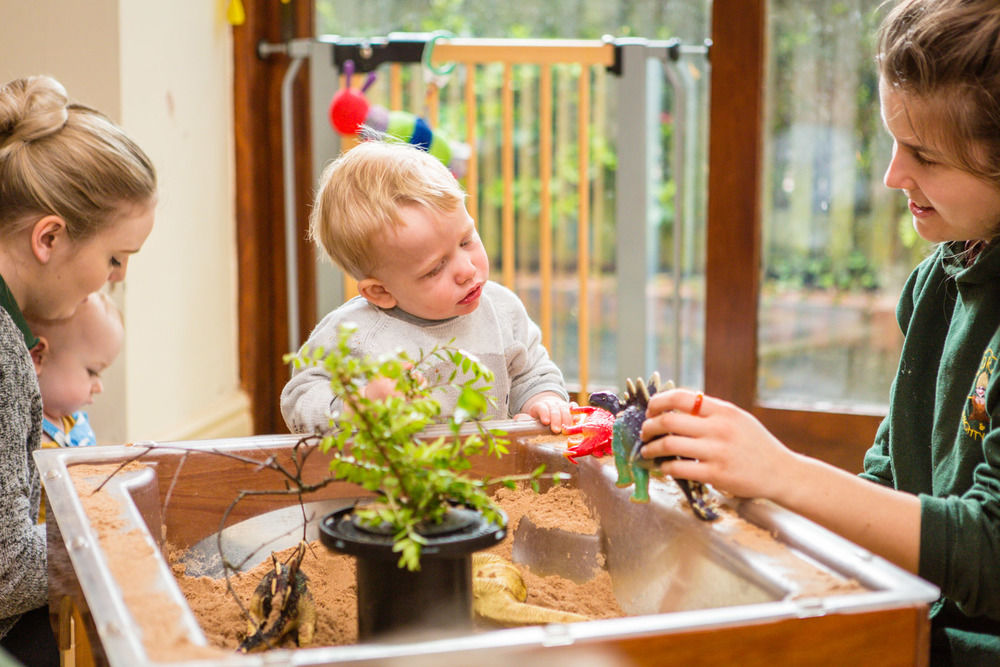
45 234
38 354
376 293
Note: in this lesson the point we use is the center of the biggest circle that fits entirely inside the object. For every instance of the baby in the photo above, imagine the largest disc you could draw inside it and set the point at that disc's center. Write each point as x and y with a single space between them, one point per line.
69 358
394 218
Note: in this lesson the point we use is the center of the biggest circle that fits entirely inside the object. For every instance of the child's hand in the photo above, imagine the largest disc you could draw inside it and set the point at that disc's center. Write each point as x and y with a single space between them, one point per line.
550 408
383 387
379 388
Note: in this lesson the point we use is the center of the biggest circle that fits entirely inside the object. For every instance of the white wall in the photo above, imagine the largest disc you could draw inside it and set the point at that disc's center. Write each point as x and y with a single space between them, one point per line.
163 70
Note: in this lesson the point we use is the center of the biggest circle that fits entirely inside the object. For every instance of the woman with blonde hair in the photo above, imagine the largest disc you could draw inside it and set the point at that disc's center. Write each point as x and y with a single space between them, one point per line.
77 198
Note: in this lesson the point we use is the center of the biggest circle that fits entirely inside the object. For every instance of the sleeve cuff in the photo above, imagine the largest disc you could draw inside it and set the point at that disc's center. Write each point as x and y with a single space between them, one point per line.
934 539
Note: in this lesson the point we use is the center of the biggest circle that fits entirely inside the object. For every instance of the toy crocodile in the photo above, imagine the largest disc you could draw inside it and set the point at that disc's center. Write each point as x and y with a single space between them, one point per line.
499 595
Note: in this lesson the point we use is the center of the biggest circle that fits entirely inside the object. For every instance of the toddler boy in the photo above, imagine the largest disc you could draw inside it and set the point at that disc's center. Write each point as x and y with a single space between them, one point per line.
394 218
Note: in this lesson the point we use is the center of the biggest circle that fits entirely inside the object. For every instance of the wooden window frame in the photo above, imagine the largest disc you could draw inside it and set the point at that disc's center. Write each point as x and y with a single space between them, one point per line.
732 292
262 294
736 135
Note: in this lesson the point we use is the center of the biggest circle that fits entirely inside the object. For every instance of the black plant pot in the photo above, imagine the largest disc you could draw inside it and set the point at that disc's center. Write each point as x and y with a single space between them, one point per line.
436 600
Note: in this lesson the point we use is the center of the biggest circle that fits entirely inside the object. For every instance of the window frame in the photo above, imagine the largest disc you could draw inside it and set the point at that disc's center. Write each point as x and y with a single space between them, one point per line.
733 275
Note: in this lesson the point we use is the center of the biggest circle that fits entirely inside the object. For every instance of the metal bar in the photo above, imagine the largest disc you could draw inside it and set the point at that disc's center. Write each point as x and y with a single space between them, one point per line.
288 171
408 47
600 121
680 212
369 53
632 212
695 122
326 144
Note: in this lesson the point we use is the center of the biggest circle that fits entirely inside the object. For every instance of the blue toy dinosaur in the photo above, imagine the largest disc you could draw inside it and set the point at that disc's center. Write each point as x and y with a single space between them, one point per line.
626 444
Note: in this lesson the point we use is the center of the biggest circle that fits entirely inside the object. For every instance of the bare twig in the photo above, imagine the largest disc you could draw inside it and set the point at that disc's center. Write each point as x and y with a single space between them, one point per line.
294 485
173 482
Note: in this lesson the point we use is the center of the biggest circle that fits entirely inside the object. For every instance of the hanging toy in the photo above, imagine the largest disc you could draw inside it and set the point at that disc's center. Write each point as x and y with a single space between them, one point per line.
235 13
351 113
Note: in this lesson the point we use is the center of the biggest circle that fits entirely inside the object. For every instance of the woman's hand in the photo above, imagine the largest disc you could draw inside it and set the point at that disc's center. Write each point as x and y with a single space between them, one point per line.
722 445
549 408
735 453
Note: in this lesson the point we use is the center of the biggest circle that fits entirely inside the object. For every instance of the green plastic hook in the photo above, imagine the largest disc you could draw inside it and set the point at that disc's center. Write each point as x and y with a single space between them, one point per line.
443 70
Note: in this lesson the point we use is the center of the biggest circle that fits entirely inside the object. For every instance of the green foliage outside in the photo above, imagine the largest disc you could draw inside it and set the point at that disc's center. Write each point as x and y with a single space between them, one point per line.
829 225
686 20
566 19
829 222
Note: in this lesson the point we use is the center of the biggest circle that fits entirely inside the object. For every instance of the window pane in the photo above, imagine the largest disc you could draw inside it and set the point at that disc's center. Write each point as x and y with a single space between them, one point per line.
837 244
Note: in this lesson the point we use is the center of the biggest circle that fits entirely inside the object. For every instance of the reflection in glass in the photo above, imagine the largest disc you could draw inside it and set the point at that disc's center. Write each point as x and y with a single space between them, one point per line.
837 243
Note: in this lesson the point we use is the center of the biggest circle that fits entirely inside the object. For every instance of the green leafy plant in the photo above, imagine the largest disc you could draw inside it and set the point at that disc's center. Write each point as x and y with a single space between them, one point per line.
377 443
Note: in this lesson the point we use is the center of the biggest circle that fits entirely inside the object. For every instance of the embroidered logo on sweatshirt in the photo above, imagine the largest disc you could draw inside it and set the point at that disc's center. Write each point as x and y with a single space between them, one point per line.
975 418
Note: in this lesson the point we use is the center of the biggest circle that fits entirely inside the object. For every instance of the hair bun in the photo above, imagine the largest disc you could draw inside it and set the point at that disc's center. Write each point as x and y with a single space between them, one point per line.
30 109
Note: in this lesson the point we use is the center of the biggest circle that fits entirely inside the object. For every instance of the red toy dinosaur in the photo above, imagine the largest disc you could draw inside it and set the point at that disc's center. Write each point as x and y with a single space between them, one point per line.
591 434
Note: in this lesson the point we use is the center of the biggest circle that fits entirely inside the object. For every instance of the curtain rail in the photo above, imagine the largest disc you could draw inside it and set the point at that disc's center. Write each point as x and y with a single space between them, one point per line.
408 47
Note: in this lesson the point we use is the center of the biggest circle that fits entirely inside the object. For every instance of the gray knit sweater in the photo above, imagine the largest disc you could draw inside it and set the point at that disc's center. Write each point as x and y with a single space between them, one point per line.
23 572
499 333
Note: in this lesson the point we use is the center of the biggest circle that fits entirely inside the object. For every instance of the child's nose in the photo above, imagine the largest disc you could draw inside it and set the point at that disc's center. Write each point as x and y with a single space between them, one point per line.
97 387
466 270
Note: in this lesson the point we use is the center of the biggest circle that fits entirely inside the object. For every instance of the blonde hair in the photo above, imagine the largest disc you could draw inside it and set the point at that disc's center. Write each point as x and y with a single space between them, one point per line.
65 159
362 191
946 53
55 328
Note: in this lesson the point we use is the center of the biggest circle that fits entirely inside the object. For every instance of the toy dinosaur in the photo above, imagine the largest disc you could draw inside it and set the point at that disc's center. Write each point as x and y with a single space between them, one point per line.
280 604
499 595
629 412
626 443
591 435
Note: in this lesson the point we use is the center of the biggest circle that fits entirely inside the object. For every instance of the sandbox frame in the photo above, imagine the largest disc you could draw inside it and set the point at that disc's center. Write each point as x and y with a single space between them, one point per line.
886 625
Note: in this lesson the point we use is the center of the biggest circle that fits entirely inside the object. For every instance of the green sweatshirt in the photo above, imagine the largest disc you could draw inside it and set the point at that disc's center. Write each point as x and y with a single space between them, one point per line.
941 438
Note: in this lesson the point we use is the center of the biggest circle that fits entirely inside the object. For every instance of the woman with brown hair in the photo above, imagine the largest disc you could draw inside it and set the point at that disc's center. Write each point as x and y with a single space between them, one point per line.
929 497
